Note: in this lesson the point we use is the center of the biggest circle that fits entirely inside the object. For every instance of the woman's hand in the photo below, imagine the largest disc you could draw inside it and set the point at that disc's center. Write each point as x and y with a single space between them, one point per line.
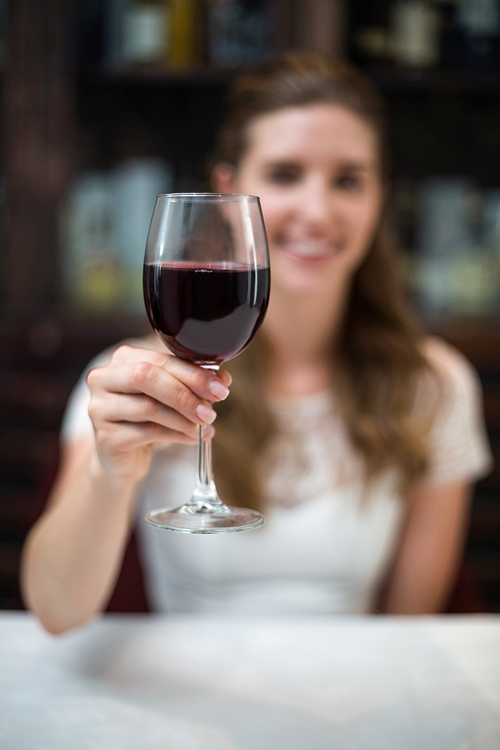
145 399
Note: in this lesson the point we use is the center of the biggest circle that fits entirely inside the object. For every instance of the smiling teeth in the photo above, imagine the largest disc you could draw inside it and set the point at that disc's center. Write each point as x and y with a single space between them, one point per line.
312 249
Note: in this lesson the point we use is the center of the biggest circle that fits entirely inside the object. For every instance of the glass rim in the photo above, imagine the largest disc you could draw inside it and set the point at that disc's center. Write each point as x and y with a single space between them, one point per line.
215 197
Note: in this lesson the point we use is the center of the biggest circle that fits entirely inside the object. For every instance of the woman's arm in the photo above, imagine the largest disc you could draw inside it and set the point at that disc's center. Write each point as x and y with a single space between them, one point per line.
72 555
141 401
429 555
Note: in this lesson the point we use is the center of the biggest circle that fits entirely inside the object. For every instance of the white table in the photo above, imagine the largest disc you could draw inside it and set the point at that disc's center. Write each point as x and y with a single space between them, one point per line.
308 683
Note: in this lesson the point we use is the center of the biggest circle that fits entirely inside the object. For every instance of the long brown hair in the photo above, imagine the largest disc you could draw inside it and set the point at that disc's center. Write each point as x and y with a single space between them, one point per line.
378 358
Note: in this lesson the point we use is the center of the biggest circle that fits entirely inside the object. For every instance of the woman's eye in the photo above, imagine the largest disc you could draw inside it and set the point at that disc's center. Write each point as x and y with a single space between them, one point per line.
349 182
282 177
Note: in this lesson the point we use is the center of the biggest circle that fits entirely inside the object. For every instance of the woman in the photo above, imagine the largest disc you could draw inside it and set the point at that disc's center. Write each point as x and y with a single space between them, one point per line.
359 436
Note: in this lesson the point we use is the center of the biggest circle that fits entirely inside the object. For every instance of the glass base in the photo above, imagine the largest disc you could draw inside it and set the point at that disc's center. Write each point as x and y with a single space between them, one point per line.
206 518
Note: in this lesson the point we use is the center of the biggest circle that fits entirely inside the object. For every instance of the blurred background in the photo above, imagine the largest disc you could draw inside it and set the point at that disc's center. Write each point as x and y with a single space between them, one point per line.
106 103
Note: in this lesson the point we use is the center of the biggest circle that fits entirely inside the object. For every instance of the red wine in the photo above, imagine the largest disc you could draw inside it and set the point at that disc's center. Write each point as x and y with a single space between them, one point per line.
206 313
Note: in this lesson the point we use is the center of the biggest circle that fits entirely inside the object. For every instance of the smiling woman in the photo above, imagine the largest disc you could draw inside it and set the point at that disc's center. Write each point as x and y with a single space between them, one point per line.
316 169
307 134
358 436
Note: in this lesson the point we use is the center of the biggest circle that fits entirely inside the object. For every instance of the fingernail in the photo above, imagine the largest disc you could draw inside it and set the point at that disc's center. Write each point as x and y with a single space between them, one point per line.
205 413
218 389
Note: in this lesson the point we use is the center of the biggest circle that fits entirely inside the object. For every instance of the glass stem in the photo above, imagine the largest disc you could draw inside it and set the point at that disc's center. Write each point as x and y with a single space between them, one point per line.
205 491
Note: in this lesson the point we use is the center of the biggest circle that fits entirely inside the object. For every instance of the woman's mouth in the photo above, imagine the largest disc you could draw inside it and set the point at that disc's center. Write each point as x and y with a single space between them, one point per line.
310 250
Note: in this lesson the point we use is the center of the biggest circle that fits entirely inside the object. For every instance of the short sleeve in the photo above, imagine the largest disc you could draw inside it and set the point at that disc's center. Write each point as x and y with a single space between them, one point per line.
459 448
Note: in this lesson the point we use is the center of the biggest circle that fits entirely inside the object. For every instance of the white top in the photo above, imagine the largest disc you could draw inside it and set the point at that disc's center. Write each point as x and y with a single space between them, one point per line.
327 541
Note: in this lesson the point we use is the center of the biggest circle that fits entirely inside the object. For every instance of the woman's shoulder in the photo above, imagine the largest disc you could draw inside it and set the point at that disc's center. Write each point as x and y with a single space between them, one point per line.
449 384
453 368
458 439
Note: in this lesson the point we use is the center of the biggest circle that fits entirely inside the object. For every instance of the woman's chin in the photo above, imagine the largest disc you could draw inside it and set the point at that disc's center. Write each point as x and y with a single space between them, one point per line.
298 275
301 283
313 273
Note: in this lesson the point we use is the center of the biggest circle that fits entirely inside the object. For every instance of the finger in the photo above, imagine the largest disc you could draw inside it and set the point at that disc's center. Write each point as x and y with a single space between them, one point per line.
151 380
226 377
203 382
140 408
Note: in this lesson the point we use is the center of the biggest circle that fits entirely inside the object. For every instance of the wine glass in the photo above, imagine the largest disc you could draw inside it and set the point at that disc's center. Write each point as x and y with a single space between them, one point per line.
206 289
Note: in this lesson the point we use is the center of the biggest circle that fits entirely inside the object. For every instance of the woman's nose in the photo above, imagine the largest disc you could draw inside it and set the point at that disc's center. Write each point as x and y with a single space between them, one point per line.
316 205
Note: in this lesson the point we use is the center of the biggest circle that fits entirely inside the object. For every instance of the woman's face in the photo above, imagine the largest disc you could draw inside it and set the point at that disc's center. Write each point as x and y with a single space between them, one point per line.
317 173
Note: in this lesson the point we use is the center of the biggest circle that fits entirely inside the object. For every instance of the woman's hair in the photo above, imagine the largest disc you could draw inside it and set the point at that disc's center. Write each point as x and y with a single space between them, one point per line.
378 357
294 80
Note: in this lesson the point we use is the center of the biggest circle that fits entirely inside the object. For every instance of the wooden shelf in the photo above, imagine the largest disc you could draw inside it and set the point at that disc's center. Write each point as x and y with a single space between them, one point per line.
396 80
390 78
157 75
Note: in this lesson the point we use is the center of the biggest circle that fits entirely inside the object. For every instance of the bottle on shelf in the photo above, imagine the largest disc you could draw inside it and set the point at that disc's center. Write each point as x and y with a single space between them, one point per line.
186 23
479 22
146 32
134 184
415 33
237 32
94 277
137 32
104 226
458 236
492 243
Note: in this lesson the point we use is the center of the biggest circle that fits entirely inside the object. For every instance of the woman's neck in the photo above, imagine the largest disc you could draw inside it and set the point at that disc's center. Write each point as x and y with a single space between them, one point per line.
301 333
